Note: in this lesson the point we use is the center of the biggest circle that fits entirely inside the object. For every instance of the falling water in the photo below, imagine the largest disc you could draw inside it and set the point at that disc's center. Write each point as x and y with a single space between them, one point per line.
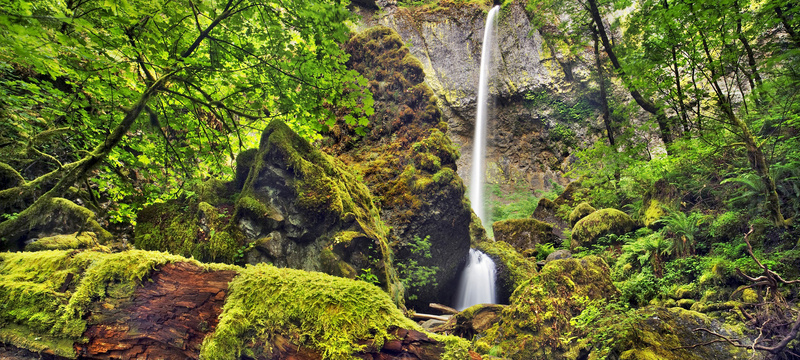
479 142
477 281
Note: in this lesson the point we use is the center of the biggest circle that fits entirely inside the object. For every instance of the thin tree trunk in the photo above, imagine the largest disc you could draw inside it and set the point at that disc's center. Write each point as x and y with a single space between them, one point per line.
603 95
647 105
788 27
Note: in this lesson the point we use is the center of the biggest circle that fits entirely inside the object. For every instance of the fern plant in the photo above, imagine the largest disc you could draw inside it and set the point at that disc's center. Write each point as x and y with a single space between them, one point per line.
683 229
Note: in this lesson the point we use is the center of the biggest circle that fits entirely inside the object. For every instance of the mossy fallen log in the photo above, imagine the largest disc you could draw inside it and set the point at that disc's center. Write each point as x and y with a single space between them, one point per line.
144 304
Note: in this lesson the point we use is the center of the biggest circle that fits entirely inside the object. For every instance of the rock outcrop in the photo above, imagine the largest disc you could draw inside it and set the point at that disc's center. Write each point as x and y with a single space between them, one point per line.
408 162
540 309
524 234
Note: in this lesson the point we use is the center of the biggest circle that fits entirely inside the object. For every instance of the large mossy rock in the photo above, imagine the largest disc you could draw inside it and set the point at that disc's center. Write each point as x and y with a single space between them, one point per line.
600 223
408 162
668 334
140 304
579 212
303 209
513 269
524 234
539 314
557 212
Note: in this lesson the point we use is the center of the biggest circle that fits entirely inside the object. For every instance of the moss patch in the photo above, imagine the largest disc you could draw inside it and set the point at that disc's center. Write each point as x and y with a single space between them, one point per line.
191 229
524 234
579 212
64 242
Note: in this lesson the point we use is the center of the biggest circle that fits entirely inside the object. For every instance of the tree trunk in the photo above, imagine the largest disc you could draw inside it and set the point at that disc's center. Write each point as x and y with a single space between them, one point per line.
647 105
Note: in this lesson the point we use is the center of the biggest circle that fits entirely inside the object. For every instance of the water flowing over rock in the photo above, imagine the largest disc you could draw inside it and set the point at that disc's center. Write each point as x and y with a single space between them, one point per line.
482 117
532 139
477 284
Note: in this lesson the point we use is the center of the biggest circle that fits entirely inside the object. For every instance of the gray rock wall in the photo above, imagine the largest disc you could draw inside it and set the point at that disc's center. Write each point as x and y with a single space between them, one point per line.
448 43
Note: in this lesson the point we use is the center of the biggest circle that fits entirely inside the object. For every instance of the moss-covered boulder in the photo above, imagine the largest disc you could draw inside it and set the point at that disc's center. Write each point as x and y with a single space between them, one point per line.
600 223
524 234
533 325
668 334
513 269
51 217
549 212
579 212
657 203
408 162
557 212
76 240
140 304
303 209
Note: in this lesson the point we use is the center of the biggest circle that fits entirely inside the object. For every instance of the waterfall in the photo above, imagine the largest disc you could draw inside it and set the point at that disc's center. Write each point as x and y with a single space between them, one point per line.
477 281
479 141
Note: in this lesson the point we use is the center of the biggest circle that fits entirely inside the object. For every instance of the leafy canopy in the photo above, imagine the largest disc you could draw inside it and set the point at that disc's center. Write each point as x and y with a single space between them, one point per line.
71 70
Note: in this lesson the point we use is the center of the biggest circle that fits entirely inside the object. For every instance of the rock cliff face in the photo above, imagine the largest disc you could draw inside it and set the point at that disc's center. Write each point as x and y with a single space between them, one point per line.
538 118
409 164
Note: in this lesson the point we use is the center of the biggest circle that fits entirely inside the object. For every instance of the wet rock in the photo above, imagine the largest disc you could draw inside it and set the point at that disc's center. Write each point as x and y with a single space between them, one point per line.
524 234
540 310
408 162
559 255
670 334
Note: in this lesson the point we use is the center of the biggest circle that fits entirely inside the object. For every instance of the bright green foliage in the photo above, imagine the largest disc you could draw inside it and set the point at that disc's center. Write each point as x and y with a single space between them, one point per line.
683 228
326 313
222 67
412 274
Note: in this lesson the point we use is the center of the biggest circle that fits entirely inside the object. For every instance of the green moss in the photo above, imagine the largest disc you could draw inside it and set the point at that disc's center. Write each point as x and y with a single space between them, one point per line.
244 161
326 313
667 334
31 302
64 242
520 268
599 223
533 325
9 177
579 212
190 229
654 212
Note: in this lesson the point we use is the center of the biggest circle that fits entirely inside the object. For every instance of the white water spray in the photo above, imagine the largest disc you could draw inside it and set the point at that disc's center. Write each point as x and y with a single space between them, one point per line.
479 142
477 281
